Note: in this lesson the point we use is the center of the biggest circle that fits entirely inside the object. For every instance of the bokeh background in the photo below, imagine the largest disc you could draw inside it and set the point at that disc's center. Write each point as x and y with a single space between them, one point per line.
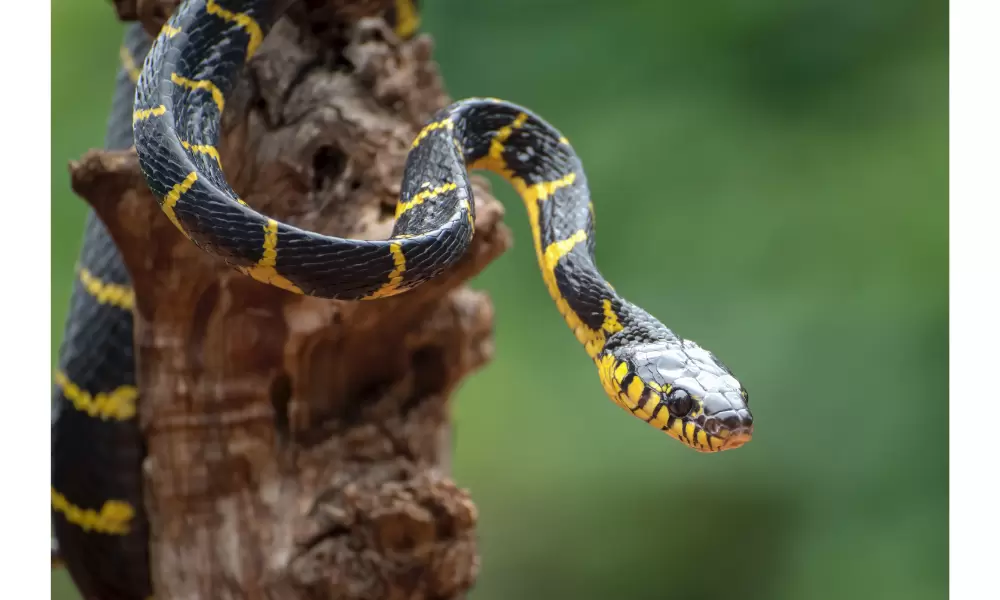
770 179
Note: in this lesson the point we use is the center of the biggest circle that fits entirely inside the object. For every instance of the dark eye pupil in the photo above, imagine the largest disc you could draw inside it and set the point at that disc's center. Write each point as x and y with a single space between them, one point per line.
679 403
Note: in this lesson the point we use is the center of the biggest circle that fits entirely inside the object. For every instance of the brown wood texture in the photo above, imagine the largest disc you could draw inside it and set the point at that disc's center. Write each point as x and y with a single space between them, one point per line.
299 447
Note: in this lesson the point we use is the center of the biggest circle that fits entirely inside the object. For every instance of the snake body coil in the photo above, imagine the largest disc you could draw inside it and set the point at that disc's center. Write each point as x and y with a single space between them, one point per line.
99 526
669 382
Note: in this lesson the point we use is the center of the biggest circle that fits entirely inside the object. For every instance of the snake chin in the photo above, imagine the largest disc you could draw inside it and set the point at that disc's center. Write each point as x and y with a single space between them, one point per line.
734 440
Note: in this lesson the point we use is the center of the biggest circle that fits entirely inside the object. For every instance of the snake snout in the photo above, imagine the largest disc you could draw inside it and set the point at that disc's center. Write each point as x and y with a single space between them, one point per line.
738 428
739 419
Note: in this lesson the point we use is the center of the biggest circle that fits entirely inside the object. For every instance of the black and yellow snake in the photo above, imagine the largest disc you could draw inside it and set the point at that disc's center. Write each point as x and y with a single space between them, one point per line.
180 91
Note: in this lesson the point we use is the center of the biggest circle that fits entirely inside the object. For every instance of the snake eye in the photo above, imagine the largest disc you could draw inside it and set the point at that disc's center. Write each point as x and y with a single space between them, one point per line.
679 402
746 396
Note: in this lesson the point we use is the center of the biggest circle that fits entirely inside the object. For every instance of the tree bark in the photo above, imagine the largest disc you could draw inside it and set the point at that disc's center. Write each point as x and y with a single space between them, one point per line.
299 447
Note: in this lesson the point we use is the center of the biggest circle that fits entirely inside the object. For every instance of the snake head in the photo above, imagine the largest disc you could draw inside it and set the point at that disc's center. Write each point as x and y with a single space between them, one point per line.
680 388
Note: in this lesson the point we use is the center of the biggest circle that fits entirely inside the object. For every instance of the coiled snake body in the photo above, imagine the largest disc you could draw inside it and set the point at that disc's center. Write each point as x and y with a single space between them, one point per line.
669 382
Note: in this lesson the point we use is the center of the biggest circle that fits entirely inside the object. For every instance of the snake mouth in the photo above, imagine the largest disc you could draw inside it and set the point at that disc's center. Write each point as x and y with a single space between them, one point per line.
735 439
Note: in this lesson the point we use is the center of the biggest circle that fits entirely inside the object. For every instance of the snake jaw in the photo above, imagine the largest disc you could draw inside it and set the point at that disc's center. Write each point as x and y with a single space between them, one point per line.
736 440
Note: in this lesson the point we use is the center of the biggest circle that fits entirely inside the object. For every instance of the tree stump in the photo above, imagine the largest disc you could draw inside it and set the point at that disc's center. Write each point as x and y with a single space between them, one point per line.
299 447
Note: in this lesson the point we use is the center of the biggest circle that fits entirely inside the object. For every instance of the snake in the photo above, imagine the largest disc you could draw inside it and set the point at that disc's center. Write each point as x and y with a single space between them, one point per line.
101 535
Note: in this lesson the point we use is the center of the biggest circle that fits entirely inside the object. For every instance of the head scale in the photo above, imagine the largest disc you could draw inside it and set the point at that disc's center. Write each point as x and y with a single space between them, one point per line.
679 387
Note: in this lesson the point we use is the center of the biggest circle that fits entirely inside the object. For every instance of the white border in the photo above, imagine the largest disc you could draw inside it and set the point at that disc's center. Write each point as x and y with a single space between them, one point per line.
25 300
974 230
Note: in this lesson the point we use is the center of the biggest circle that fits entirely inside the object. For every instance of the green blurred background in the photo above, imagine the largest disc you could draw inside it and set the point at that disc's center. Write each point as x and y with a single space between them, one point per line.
770 179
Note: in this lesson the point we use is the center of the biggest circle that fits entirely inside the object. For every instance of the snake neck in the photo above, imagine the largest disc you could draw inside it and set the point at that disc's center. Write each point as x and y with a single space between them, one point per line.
541 165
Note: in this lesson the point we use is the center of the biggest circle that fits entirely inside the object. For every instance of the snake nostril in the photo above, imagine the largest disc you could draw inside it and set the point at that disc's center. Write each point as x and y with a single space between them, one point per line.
747 418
